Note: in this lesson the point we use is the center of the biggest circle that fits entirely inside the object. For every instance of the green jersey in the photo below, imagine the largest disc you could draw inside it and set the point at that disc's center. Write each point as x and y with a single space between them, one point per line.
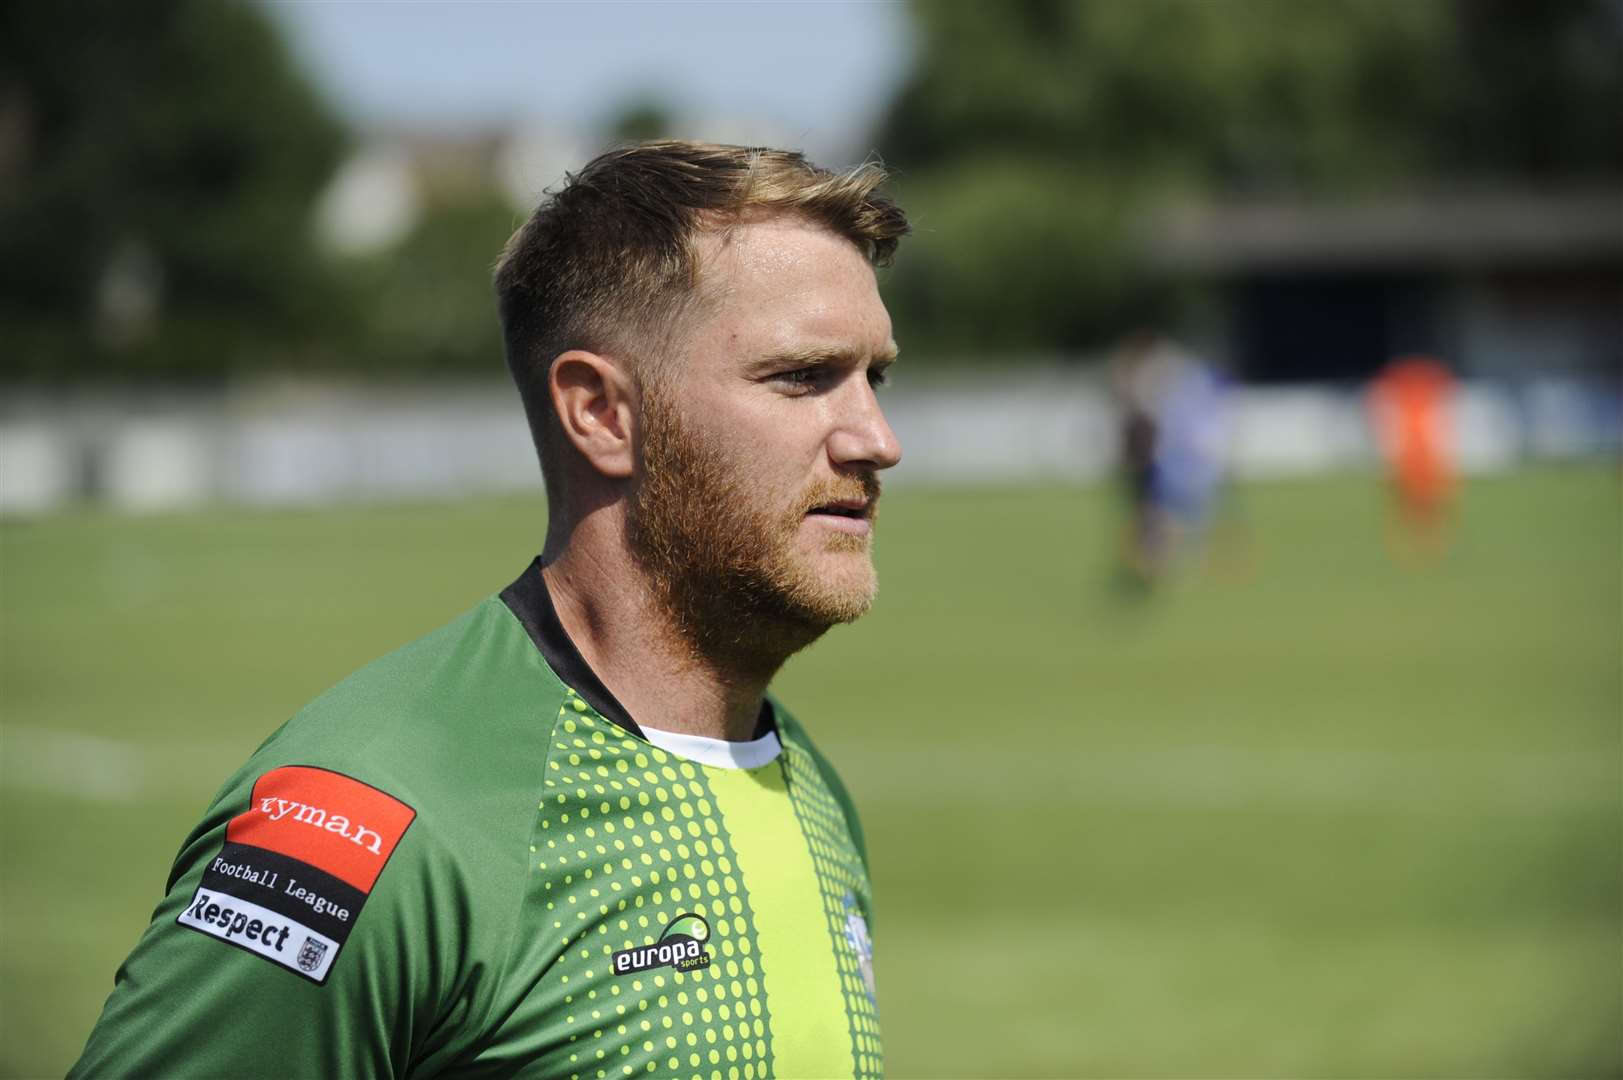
467 860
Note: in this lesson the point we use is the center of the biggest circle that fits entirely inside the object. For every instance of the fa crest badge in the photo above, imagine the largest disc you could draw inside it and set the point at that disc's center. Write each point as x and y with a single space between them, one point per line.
310 954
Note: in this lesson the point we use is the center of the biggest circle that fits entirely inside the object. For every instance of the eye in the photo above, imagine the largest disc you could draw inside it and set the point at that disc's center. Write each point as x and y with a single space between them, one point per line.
804 380
879 376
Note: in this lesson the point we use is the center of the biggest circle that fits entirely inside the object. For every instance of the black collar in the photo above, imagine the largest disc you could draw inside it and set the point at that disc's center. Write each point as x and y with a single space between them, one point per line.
530 601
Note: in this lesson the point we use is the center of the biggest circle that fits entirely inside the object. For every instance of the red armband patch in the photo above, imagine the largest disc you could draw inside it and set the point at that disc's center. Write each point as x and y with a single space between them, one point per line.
326 819
297 866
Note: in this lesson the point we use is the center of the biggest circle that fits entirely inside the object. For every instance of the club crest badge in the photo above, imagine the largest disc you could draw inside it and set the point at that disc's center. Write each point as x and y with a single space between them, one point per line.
861 943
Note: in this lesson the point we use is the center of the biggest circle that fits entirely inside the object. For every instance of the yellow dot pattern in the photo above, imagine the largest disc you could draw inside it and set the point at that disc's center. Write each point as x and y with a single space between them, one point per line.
843 881
628 838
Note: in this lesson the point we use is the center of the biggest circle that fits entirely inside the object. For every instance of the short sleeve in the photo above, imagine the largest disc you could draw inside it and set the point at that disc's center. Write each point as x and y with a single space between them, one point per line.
309 928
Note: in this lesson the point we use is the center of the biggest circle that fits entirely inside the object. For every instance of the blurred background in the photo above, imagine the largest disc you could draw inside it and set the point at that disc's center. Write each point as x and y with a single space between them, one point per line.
1246 692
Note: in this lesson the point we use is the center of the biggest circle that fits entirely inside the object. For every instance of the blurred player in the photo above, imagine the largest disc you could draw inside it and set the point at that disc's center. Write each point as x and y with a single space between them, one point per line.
1137 376
1191 455
570 834
1410 405
1174 425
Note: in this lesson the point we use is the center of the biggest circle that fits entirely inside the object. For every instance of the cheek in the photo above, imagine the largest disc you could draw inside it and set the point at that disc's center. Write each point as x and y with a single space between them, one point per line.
783 441
766 440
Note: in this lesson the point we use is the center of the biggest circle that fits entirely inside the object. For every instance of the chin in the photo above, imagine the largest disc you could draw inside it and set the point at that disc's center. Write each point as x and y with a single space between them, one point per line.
835 587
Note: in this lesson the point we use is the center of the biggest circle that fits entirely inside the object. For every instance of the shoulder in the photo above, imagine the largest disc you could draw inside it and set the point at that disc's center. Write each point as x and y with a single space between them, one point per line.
803 753
358 876
458 709
794 736
414 780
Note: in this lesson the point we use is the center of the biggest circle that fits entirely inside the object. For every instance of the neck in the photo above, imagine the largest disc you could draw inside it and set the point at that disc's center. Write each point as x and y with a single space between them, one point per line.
625 628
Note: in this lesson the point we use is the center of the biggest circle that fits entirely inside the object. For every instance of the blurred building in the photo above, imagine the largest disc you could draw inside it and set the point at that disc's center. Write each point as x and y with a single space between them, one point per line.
1522 294
396 175
1513 286
383 188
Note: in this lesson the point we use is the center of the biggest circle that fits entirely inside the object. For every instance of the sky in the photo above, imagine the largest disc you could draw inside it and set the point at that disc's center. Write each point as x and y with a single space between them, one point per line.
811 75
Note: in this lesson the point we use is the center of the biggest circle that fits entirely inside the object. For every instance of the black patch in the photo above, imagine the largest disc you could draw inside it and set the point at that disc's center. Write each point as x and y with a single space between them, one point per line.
287 886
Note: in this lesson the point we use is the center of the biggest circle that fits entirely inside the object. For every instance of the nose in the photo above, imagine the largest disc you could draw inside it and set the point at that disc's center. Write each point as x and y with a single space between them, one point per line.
862 437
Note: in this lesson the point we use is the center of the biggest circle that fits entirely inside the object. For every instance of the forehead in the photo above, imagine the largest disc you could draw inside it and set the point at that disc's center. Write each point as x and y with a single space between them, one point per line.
785 283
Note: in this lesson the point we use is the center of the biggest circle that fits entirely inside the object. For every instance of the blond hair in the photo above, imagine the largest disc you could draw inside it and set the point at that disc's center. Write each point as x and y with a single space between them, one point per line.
608 262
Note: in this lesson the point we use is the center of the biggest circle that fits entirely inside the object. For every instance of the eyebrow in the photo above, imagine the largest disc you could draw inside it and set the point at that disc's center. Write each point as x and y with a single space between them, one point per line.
820 356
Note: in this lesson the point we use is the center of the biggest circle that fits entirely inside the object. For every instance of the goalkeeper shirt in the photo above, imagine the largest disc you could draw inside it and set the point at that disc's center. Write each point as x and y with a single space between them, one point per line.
467 860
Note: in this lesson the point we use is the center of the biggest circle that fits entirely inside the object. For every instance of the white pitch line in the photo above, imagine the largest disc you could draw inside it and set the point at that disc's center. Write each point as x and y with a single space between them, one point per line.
96 768
1423 782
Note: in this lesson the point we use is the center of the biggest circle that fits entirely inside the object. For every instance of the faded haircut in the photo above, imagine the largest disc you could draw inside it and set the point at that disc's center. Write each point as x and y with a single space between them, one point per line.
608 262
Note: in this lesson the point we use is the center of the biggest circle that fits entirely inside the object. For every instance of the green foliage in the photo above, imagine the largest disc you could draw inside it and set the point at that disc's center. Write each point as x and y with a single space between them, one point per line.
158 222
1536 91
642 118
1281 93
1102 111
427 306
160 164
1035 260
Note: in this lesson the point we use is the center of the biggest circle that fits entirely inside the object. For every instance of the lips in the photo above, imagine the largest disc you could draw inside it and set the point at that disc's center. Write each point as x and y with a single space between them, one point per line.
858 509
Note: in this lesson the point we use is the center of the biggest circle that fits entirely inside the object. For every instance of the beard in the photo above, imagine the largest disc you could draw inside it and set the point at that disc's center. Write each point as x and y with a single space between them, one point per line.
723 559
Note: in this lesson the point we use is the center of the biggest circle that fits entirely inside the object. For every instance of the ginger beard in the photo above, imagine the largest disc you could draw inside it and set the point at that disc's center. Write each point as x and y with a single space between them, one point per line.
738 577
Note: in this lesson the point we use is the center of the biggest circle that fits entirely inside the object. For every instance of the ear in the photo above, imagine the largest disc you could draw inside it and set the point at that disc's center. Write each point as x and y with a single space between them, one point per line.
595 401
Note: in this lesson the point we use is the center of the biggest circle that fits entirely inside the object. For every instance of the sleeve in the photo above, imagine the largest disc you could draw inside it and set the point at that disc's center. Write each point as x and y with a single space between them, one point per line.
312 927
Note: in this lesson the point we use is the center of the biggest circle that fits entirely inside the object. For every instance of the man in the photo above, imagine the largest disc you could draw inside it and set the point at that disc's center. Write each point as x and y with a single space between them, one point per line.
570 835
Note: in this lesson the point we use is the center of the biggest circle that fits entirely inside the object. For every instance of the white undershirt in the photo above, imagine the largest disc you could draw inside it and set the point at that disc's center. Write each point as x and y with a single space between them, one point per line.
722 753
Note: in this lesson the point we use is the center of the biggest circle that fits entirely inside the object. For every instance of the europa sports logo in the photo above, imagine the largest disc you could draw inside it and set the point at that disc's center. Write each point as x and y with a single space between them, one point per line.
680 946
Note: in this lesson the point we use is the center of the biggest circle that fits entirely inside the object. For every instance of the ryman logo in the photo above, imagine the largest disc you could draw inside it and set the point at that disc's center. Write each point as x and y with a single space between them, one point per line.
318 818
681 946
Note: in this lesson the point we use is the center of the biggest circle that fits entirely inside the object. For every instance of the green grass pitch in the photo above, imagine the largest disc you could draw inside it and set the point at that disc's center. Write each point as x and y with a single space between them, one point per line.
1303 813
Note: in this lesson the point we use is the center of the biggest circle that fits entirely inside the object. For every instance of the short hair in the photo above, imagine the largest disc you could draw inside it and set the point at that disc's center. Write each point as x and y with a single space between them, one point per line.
608 261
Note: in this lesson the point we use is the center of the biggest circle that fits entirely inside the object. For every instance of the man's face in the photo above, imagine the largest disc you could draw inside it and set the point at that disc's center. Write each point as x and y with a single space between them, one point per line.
755 503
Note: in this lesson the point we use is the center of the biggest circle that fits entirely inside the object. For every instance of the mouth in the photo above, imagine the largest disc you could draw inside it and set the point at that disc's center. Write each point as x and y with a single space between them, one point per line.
853 509
852 516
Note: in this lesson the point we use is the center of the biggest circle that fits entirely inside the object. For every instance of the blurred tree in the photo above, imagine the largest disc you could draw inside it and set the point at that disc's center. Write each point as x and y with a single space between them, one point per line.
646 117
427 305
1537 92
1031 134
157 166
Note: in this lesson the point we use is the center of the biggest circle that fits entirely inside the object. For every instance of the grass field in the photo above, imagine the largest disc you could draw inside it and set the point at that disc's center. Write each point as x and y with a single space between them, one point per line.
1307 814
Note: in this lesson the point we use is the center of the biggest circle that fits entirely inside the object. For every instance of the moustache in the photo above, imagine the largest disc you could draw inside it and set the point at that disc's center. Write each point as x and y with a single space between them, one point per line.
862 486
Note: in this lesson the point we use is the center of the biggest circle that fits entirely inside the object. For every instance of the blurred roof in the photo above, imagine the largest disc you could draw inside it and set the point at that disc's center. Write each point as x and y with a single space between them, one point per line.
1459 230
